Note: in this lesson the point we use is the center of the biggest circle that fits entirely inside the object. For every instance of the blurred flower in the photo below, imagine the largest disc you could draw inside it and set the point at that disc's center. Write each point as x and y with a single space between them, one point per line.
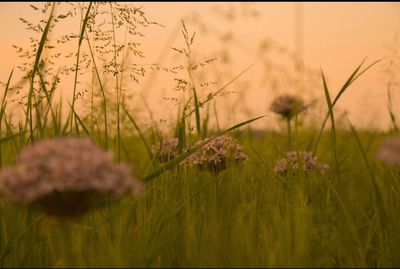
217 155
167 151
66 176
287 106
303 160
389 151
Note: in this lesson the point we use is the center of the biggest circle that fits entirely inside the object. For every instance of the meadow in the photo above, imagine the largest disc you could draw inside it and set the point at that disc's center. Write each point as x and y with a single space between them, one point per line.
245 214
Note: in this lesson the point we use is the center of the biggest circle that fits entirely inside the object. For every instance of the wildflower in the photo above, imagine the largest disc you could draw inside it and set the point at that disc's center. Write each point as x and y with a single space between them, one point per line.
167 150
287 106
66 177
389 151
300 160
217 155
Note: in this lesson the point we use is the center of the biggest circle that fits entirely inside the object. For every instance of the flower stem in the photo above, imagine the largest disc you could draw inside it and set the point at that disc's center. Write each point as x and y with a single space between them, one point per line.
289 130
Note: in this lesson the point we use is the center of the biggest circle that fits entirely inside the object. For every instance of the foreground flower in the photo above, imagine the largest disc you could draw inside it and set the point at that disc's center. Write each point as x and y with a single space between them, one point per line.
217 155
167 150
389 152
300 160
66 177
287 106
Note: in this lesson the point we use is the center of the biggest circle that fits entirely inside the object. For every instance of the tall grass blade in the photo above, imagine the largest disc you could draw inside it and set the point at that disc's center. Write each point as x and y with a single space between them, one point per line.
101 90
12 242
36 67
333 127
80 121
139 132
377 193
3 108
5 139
197 111
391 113
330 105
349 81
211 96
82 33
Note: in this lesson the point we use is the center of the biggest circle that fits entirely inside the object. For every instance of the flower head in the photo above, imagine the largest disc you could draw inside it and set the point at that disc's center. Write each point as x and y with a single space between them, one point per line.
217 155
300 160
287 106
66 176
389 151
167 150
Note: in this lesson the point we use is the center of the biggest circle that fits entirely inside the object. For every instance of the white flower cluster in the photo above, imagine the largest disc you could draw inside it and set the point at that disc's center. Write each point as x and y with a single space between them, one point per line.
217 155
167 150
389 151
65 165
287 106
300 160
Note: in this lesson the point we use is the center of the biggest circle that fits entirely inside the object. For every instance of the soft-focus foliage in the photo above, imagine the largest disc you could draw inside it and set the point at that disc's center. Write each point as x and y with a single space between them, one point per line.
389 152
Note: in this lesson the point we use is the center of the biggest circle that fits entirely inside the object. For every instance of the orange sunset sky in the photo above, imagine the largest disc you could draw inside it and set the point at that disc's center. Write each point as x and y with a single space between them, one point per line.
333 36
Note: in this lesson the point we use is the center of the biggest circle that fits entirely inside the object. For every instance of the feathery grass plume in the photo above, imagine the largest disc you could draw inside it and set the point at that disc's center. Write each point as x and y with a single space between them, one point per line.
287 106
300 160
219 154
389 151
166 151
66 177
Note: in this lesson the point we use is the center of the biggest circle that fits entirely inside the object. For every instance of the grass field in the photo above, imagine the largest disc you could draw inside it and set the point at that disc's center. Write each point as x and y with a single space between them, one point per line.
244 216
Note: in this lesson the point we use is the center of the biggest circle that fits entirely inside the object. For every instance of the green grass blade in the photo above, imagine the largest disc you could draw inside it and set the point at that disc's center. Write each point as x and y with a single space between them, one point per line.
329 103
80 121
64 129
333 127
6 89
101 90
377 192
197 111
366 69
139 132
85 21
211 96
13 242
82 33
348 82
355 75
49 95
3 108
390 110
4 139
36 67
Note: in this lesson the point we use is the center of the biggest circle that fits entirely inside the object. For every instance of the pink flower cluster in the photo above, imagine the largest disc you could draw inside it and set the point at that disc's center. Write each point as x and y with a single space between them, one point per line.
287 106
217 155
300 161
65 165
389 151
166 151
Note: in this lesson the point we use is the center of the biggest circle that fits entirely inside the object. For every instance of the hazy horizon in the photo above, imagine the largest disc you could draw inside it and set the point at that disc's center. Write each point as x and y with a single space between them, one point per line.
335 37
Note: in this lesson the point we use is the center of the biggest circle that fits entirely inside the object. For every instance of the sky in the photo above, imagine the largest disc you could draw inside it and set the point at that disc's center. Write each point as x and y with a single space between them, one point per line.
336 37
